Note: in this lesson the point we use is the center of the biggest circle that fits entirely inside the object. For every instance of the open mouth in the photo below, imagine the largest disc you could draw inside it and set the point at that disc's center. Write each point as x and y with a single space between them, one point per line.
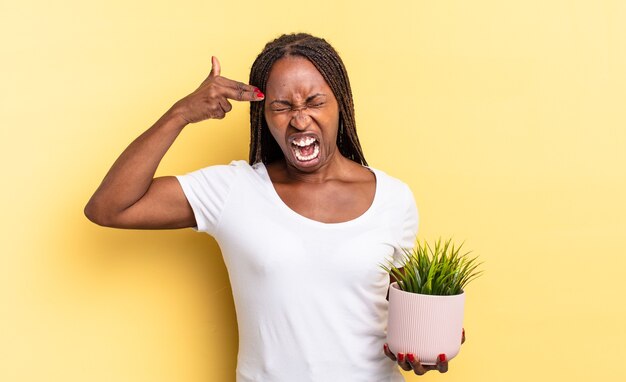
305 148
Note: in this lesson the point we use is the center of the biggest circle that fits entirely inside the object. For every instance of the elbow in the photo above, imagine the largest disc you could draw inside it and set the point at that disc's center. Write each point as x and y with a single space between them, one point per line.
97 214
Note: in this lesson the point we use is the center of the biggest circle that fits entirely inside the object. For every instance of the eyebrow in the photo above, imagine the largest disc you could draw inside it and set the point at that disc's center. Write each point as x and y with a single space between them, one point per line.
308 99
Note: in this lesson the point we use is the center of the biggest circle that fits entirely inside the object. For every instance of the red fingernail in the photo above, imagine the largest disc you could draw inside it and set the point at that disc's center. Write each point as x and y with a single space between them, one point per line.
442 358
411 357
259 94
401 357
385 347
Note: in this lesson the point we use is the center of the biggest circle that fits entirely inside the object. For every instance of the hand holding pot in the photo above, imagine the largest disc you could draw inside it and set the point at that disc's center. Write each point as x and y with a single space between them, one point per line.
410 362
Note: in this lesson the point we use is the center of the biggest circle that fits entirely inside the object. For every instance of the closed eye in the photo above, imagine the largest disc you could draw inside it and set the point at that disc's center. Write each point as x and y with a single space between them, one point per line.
280 109
280 106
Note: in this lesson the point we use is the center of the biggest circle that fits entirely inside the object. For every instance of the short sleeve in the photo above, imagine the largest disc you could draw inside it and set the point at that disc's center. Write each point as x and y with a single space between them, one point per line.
408 230
207 192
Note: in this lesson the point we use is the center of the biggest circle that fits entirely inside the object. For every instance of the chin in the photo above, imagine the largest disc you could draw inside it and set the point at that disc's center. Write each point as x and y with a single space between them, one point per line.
306 166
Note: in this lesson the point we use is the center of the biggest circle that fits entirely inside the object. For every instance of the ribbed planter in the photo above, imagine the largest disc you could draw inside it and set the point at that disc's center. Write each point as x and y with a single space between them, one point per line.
425 325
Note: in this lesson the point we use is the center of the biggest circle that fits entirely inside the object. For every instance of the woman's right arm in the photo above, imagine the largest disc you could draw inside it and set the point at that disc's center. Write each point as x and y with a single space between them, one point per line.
129 195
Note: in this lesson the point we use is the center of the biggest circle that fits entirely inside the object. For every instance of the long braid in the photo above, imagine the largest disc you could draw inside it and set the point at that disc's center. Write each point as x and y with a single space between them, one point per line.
263 147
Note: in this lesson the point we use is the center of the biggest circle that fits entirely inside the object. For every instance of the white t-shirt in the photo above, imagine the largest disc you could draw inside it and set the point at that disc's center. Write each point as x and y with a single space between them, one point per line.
310 297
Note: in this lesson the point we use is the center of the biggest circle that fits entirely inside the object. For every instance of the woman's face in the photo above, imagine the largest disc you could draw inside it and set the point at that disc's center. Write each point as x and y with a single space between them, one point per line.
302 113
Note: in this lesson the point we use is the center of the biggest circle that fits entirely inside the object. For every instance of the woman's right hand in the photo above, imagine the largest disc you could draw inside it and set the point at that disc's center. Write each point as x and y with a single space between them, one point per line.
210 99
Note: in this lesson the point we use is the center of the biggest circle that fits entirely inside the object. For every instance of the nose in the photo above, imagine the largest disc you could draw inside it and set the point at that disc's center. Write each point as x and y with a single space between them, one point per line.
300 120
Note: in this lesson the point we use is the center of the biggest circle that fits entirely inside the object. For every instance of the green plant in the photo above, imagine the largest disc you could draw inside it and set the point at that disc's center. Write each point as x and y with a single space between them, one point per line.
440 271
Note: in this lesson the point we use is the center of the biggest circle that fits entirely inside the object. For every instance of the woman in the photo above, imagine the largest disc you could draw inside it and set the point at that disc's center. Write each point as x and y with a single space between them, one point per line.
303 227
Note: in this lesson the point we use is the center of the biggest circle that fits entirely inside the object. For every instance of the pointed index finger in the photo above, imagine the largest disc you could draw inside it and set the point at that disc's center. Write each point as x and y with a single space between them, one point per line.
242 95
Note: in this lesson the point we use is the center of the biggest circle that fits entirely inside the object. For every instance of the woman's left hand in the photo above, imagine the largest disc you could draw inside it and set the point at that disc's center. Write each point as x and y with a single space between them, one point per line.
410 362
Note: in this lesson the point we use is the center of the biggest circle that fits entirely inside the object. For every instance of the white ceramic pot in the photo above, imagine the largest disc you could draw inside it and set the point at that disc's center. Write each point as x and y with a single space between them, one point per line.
425 325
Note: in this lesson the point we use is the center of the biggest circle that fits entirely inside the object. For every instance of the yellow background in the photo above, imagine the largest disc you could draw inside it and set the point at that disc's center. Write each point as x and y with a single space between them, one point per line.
505 117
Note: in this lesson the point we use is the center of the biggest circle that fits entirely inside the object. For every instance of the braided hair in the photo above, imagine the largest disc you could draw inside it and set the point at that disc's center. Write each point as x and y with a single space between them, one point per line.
263 147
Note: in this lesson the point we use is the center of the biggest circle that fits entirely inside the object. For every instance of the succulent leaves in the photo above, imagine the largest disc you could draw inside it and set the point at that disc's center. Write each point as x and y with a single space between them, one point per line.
442 271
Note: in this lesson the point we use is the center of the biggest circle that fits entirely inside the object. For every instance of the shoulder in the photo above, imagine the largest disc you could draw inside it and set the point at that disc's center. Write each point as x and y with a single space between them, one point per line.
394 195
233 168
215 175
390 184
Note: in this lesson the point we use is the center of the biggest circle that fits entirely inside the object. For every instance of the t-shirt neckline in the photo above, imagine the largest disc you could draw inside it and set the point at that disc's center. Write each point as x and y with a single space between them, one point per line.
267 182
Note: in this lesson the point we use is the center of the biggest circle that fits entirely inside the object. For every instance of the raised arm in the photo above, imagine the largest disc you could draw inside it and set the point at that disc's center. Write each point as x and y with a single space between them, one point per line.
129 195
